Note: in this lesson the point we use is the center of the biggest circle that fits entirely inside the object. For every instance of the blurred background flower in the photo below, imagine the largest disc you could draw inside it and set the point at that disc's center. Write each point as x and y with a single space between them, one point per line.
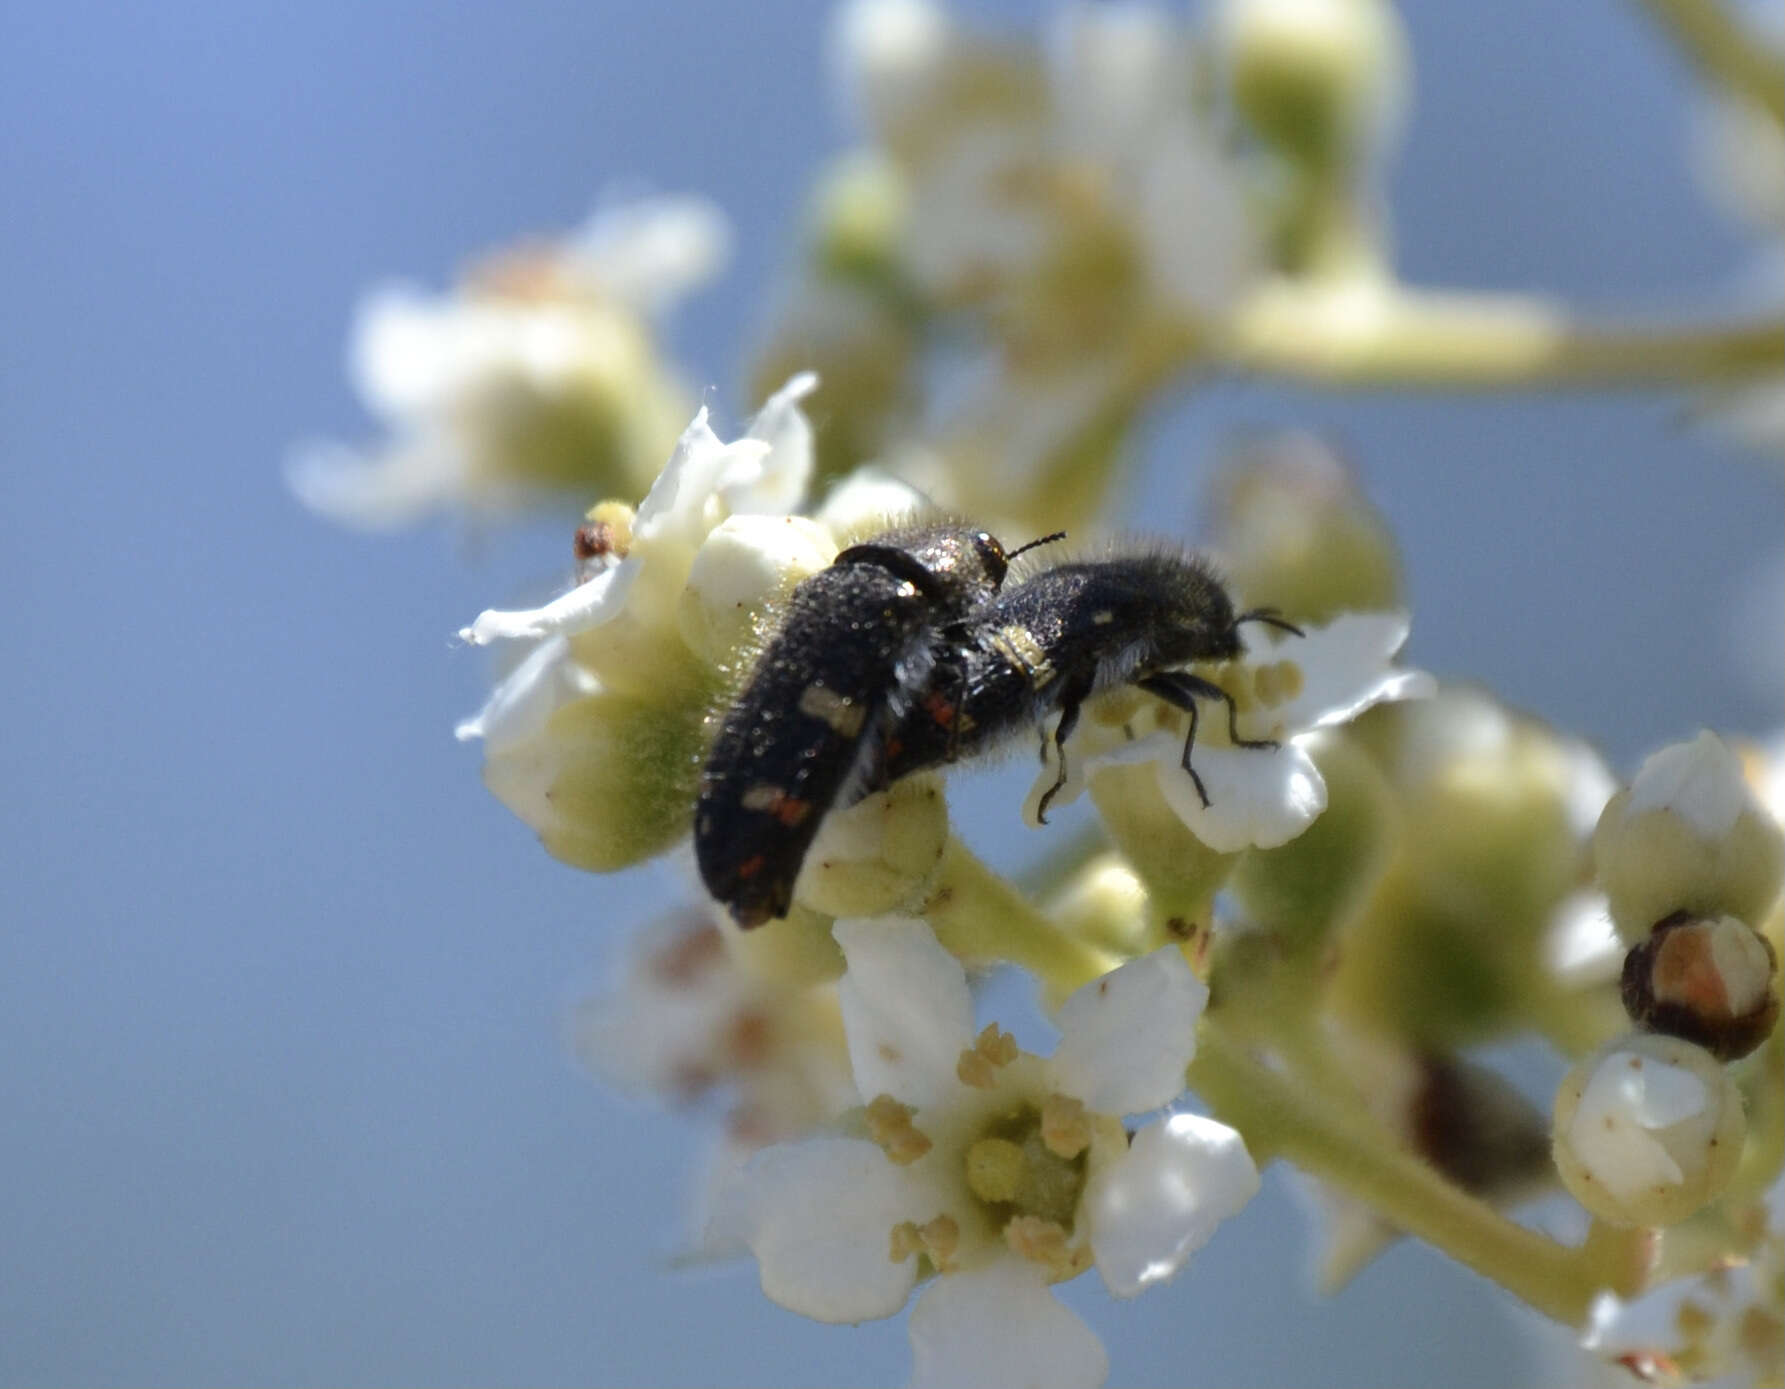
287 1094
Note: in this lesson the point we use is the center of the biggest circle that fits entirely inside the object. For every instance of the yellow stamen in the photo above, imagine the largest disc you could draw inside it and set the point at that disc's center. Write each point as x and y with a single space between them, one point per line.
979 1064
889 1125
1064 1128
1044 1242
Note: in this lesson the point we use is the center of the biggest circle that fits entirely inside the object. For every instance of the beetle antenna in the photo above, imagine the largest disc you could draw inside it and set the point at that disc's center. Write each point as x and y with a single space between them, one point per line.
1045 540
1271 617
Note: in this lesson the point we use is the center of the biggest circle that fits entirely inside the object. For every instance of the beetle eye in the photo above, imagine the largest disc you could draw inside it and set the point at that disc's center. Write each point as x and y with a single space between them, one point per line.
992 556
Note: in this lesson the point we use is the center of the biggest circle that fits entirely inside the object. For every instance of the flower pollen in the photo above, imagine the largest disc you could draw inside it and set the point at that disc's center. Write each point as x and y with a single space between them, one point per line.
1046 1242
1065 1129
890 1126
980 1063
937 1240
1276 682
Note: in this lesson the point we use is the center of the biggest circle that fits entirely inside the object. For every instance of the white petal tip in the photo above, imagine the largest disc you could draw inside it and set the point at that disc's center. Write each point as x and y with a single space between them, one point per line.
798 387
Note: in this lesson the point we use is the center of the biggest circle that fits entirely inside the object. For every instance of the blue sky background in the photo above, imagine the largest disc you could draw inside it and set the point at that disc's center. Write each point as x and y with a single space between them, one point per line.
284 1096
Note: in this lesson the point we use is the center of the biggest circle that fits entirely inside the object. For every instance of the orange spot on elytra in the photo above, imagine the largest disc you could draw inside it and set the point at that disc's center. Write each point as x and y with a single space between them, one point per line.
790 810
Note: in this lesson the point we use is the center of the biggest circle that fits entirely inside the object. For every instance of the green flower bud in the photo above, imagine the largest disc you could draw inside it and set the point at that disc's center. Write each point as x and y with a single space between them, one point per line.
859 216
1648 1130
1320 879
1687 835
867 348
1180 872
1105 903
1322 80
878 855
603 425
1502 804
1295 533
608 781
1451 949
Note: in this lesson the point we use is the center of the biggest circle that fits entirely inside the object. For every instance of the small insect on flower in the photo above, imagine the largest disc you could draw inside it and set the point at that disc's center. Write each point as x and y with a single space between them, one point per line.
855 645
1068 633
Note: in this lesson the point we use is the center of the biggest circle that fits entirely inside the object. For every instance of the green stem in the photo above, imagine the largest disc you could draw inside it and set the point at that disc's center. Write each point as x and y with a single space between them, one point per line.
1367 333
983 920
1723 50
1048 874
1280 1119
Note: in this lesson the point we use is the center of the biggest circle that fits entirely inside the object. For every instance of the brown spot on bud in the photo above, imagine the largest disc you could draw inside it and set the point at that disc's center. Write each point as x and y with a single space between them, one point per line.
1710 981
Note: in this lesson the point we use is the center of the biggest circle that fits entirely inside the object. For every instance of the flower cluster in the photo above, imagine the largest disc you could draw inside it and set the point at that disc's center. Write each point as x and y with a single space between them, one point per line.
1312 882
537 375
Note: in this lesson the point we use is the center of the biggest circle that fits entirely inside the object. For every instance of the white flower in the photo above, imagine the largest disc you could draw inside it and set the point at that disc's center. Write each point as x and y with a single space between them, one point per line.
1260 797
704 482
539 373
1050 1345
886 56
999 1170
1014 156
595 738
1123 82
648 252
686 1019
1727 1324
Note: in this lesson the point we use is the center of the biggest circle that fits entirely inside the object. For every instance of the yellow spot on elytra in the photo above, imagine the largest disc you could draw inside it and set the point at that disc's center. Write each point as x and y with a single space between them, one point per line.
844 716
1017 644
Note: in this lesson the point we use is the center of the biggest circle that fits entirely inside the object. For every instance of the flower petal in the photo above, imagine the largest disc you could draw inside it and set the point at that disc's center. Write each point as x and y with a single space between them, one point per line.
869 500
999 1325
649 252
1158 1203
1089 748
535 689
379 491
1259 797
819 1216
907 1012
681 503
1344 667
586 606
1127 1037
1700 781
776 482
